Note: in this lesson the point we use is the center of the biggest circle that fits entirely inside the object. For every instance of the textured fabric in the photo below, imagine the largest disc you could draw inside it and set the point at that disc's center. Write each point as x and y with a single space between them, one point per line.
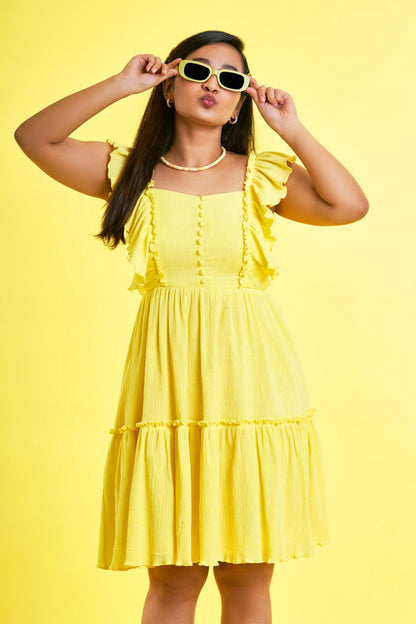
214 454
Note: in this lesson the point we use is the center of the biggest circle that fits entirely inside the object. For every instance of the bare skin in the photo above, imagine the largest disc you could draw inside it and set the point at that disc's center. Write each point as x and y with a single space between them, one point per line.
321 193
231 171
197 137
244 590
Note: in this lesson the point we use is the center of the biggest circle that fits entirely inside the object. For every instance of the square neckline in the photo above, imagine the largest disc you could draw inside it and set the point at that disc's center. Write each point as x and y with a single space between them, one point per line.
246 176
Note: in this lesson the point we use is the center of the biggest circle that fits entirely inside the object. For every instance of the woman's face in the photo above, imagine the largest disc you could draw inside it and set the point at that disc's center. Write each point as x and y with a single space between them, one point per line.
186 94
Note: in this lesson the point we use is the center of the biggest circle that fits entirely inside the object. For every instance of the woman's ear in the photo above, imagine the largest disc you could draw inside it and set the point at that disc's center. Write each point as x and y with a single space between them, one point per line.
167 89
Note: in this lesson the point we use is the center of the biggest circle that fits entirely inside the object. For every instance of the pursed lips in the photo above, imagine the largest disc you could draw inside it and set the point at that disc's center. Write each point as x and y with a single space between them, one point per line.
208 98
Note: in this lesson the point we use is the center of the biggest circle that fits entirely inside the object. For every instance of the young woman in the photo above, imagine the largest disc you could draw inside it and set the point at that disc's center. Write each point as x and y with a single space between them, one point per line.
214 458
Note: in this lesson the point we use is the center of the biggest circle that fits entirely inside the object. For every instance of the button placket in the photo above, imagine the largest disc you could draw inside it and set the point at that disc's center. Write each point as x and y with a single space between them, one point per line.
200 262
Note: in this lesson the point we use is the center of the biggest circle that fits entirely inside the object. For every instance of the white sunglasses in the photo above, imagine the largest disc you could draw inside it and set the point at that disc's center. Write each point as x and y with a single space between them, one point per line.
200 72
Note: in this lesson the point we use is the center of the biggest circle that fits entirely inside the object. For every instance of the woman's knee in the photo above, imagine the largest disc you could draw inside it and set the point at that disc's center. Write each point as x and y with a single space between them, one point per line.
178 582
246 576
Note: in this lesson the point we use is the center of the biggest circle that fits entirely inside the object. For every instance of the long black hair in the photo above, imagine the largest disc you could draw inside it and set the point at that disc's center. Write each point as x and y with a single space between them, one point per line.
155 135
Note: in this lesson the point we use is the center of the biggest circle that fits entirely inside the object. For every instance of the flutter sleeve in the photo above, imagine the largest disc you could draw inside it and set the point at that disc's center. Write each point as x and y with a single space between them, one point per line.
118 157
269 175
138 227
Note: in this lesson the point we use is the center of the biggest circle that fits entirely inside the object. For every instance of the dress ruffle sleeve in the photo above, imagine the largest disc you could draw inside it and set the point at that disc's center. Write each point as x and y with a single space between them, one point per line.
138 227
117 160
268 174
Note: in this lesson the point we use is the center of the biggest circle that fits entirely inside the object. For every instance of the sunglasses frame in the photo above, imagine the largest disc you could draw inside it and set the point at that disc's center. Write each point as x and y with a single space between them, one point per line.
217 72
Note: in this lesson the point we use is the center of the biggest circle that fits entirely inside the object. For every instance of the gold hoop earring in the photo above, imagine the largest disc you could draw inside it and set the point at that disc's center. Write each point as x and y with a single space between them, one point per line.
234 120
168 103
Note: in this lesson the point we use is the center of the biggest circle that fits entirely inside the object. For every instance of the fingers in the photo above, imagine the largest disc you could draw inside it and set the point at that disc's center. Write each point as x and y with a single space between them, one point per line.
262 93
171 66
256 91
252 89
155 64
271 96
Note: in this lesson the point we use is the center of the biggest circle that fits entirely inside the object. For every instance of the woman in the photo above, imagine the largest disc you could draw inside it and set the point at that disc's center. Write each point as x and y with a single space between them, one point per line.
214 457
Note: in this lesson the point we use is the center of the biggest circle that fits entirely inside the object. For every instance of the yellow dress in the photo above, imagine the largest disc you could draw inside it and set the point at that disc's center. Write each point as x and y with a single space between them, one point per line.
214 454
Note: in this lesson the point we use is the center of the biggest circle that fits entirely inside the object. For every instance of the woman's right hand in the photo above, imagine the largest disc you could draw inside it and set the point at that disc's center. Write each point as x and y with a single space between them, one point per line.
145 71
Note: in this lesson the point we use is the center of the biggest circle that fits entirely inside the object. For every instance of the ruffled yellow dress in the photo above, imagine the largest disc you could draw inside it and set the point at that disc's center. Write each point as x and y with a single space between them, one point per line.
214 454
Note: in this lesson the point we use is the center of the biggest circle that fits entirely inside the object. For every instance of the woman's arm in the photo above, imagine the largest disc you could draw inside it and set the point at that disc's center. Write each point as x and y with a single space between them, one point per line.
81 165
57 121
323 194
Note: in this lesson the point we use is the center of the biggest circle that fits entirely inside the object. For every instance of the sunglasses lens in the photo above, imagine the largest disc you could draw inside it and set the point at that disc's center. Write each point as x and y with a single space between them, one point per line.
231 80
196 72
227 79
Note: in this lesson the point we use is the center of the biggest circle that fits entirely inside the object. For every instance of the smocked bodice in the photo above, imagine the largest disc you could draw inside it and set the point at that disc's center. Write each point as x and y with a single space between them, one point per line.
221 240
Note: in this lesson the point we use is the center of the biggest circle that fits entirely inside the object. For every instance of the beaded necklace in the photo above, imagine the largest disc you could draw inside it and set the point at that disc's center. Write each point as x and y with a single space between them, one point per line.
169 164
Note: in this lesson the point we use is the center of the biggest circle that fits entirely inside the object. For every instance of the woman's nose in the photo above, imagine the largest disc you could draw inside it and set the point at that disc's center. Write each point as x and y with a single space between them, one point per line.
212 82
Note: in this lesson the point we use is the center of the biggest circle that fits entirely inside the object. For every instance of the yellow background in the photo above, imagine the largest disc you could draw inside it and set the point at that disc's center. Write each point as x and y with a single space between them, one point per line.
348 293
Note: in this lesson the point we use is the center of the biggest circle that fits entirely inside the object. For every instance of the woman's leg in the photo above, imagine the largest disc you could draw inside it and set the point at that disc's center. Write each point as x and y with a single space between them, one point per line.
245 592
173 594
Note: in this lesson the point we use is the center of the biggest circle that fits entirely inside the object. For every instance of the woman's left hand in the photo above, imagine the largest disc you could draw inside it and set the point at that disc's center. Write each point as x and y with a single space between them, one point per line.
277 108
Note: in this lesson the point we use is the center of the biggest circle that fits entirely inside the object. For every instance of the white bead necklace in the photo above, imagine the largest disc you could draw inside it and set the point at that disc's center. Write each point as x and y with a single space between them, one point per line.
169 164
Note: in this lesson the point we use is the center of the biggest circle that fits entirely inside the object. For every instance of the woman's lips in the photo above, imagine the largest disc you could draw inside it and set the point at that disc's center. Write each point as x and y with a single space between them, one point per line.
207 102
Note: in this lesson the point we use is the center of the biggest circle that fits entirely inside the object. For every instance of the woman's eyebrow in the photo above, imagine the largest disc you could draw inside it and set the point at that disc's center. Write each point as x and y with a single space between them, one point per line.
204 60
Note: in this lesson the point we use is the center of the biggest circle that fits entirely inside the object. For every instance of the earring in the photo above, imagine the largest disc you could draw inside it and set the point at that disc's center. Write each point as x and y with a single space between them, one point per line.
234 121
168 103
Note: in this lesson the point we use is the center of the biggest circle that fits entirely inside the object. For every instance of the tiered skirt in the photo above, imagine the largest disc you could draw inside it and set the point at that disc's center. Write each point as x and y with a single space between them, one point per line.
214 453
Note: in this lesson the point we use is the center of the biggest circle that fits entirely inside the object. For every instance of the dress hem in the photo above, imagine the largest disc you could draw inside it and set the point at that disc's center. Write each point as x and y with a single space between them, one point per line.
227 558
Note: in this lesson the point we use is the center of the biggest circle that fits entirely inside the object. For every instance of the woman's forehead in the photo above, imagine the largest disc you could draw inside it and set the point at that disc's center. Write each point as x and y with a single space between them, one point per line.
204 59
219 56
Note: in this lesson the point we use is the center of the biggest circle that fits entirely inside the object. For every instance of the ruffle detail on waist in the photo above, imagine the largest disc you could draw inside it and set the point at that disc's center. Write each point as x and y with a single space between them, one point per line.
214 423
268 174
